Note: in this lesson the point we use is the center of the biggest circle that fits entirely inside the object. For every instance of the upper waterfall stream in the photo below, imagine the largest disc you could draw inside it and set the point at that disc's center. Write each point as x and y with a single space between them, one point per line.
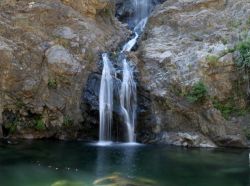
128 94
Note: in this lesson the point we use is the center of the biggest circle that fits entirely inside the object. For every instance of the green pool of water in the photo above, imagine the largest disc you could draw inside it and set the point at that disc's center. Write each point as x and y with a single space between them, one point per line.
54 163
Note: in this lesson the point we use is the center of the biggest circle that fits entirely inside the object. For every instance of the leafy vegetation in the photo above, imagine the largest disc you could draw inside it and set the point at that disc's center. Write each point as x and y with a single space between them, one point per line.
12 126
212 60
234 23
243 60
229 108
244 50
52 84
197 93
20 104
247 133
67 121
39 124
226 109
248 21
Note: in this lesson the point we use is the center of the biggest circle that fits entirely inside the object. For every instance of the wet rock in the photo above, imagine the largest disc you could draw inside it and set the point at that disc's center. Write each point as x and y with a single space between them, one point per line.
117 179
90 105
231 141
186 139
125 9
67 183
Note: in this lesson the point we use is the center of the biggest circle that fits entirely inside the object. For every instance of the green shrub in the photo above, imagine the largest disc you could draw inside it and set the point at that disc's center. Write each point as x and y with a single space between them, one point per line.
52 84
247 133
12 126
244 50
197 93
230 108
226 109
67 121
212 60
20 104
234 23
39 124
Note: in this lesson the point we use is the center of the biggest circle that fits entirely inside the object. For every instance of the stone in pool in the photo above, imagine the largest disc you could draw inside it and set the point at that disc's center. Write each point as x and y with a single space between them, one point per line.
117 179
67 183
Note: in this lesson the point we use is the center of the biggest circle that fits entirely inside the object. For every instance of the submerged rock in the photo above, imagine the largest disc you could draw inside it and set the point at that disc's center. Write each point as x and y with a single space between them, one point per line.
67 183
117 179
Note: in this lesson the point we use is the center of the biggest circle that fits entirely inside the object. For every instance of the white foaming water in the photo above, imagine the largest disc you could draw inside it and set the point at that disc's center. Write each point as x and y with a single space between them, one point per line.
128 94
129 45
140 26
106 101
112 144
137 30
103 143
128 100
142 9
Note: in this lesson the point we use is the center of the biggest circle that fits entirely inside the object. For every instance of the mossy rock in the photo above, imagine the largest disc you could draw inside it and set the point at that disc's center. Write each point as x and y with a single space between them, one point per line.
68 183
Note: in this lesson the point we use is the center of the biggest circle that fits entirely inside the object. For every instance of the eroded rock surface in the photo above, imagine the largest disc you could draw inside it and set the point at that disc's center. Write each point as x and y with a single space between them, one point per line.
186 42
47 51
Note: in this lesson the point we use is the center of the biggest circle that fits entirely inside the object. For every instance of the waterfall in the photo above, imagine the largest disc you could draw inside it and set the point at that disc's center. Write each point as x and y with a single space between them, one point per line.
128 99
129 45
128 94
106 100
142 9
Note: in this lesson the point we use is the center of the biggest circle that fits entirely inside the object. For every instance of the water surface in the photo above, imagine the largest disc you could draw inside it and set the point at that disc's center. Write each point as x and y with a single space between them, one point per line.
55 163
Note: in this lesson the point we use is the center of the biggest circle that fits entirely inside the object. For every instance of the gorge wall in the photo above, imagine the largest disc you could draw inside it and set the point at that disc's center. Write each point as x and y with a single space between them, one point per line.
48 49
189 46
50 74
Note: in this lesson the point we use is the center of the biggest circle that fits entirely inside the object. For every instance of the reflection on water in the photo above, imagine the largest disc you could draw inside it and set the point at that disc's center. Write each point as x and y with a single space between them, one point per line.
76 164
117 155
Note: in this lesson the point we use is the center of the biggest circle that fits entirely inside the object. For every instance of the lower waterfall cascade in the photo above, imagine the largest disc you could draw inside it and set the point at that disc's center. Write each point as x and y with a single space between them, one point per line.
127 92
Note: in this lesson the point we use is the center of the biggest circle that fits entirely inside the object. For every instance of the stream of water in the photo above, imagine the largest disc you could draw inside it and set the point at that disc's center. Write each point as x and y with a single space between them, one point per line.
106 100
128 94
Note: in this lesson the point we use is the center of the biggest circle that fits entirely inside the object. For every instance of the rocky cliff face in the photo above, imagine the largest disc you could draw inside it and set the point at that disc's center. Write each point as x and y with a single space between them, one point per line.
48 49
190 92
188 44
